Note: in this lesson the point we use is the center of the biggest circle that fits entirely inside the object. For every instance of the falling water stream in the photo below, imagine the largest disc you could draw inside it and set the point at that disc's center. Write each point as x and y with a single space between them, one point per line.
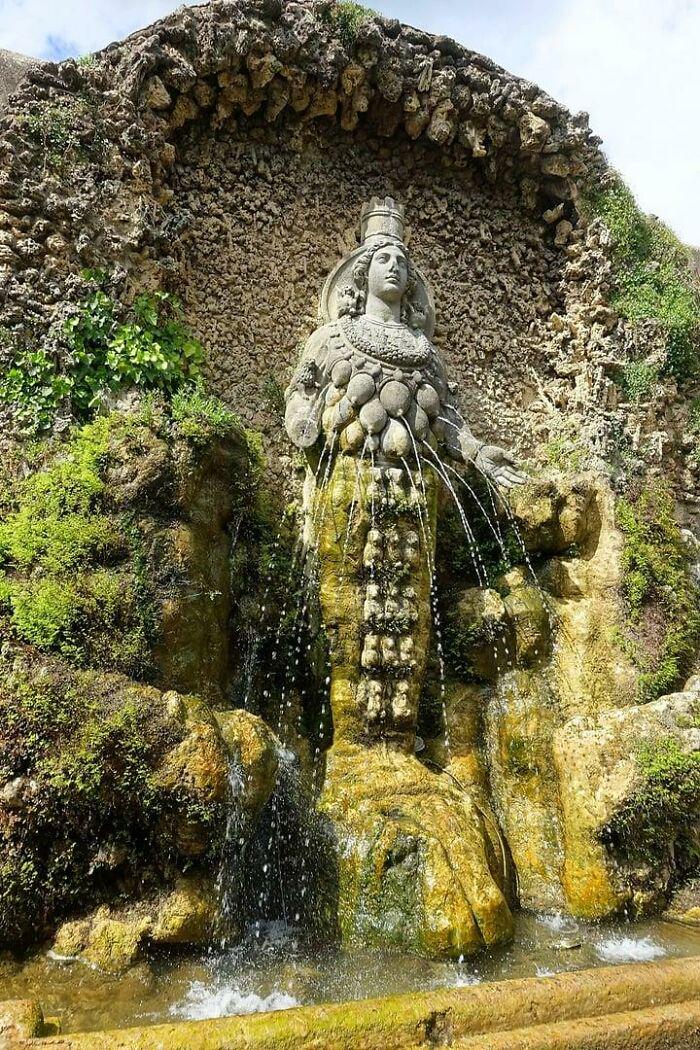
270 881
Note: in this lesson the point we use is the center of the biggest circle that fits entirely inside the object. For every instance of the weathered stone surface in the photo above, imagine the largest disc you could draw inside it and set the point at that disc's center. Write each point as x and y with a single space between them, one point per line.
20 1019
494 337
253 747
13 68
187 915
414 866
132 781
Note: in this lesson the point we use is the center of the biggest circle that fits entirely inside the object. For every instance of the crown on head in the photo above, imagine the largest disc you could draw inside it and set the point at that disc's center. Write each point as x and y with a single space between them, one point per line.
382 217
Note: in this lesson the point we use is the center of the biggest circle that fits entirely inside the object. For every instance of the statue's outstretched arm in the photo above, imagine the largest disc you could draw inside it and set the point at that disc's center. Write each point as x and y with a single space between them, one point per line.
304 395
491 460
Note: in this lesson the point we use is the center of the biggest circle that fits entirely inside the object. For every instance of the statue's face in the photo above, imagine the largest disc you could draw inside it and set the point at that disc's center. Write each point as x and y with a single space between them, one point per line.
388 273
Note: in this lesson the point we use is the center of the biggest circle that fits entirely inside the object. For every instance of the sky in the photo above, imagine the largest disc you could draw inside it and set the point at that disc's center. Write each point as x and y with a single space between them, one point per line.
633 65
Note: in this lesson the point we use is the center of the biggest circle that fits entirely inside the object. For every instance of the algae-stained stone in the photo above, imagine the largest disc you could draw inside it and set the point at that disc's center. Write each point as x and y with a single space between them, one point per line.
72 938
478 632
521 718
197 768
413 864
556 513
530 623
255 749
115 943
188 913
20 1019
414 860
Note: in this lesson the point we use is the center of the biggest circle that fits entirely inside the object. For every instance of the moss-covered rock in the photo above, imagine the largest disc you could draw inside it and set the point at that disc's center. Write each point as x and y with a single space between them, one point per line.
414 861
115 556
188 914
601 617
630 803
254 749
113 938
663 628
521 717
555 514
115 542
105 798
20 1019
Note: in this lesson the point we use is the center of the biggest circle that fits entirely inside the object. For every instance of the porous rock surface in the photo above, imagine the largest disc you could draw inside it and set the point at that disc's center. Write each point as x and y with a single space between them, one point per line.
12 68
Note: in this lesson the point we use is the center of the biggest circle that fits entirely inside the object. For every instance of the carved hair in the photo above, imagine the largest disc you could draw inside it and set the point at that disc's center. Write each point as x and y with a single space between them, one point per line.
352 298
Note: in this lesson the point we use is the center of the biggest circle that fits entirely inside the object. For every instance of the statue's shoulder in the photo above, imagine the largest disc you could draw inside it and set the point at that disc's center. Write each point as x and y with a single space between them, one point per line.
322 341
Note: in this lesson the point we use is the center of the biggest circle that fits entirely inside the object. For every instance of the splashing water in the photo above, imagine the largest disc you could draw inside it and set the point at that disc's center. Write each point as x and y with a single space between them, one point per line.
203 1002
618 948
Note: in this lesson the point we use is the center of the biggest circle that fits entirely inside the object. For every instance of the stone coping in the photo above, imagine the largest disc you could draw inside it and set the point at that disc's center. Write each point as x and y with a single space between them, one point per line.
645 1005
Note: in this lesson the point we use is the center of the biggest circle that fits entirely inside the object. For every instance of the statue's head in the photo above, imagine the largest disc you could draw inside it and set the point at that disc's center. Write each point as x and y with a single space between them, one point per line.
381 268
384 270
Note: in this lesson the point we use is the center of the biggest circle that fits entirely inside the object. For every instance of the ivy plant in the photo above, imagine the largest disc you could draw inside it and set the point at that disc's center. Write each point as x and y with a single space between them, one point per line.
110 348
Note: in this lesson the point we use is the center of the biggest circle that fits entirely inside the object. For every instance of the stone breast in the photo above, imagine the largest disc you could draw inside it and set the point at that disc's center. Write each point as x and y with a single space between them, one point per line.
376 405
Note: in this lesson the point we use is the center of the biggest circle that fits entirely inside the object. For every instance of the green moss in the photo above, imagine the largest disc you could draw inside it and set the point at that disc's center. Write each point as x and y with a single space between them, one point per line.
659 590
346 17
455 554
565 453
69 580
198 416
668 800
638 379
652 275
273 394
88 746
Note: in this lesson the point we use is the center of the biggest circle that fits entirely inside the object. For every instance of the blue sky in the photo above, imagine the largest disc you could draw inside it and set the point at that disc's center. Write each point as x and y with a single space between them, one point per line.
634 65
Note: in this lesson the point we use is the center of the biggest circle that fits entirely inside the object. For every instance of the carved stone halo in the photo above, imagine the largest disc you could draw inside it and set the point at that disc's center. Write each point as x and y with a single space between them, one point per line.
341 276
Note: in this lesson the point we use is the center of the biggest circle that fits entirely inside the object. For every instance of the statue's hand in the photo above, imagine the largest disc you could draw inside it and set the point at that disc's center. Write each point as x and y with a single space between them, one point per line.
499 466
302 420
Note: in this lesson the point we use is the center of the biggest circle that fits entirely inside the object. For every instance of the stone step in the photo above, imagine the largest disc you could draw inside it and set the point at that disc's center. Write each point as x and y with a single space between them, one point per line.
675 1026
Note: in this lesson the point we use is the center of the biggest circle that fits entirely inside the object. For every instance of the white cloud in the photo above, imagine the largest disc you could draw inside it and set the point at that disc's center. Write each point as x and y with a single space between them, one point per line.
634 65
35 27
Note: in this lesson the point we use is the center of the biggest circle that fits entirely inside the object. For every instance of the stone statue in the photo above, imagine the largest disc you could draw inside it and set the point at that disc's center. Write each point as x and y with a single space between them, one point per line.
370 380
420 865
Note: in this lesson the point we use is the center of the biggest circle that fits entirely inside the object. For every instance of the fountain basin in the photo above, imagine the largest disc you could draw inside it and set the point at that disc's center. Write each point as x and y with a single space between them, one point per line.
646 1005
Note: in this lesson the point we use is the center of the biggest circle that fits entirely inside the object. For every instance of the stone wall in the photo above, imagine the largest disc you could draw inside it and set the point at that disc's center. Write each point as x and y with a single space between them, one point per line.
225 152
267 216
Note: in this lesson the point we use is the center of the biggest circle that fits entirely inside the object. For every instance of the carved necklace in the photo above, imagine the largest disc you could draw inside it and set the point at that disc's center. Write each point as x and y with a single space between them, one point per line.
393 343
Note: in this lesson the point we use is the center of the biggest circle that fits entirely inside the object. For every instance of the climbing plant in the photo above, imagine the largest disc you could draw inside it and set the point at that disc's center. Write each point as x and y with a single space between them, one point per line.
653 280
108 347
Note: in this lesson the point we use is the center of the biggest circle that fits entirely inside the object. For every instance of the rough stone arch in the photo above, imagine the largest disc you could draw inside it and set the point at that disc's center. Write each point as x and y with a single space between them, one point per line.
112 162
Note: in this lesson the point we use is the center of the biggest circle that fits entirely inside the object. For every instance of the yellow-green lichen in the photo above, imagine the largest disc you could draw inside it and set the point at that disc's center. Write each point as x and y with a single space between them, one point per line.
661 595
653 281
